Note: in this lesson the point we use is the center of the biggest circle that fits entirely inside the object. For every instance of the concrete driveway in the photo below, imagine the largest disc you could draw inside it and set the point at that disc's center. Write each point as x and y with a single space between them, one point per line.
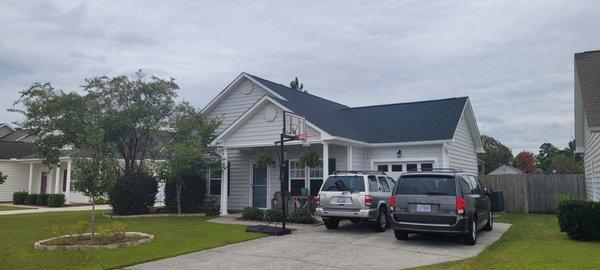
352 246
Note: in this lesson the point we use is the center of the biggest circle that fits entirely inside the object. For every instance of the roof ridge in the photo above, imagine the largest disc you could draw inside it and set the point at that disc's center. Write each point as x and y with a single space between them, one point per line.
291 89
405 103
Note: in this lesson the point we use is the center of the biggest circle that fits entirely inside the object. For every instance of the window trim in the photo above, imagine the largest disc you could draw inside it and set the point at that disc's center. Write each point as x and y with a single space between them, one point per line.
210 179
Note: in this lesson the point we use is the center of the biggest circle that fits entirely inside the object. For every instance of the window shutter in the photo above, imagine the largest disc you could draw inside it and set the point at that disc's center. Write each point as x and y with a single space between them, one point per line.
331 166
228 177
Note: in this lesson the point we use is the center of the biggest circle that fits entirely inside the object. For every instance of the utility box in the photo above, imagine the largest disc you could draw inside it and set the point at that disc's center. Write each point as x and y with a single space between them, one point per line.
497 201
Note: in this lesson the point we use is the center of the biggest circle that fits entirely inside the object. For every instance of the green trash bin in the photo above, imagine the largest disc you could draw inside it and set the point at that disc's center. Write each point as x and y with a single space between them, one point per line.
497 201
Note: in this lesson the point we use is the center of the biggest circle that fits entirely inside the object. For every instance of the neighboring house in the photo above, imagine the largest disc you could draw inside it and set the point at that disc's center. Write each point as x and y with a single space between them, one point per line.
587 118
22 165
505 169
7 133
393 137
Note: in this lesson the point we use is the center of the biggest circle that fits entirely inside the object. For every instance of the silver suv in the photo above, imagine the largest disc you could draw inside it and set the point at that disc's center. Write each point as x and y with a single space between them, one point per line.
356 196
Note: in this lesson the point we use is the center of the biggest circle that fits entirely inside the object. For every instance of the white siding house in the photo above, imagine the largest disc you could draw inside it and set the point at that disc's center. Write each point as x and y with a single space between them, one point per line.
395 138
587 118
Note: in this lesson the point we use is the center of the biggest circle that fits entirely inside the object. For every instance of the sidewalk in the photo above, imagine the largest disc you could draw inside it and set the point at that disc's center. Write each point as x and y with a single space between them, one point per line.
39 209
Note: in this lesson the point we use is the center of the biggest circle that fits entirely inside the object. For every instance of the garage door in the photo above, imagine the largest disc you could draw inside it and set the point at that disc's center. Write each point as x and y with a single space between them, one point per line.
396 169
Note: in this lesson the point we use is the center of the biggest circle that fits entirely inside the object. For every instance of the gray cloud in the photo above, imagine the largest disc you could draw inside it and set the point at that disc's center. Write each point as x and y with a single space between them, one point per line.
514 59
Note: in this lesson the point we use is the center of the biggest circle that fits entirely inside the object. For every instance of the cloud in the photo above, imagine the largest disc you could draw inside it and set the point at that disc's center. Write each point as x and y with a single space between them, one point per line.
514 59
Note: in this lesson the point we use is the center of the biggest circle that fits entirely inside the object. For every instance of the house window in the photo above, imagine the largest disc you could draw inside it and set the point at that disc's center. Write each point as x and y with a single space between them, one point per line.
297 177
397 168
383 168
316 179
214 183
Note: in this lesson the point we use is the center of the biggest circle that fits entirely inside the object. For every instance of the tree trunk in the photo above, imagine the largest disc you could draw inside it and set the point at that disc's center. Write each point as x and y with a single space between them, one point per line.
178 198
93 220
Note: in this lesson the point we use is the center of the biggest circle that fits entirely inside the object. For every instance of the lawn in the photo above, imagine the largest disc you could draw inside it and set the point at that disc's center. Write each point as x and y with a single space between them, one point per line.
533 242
173 236
10 207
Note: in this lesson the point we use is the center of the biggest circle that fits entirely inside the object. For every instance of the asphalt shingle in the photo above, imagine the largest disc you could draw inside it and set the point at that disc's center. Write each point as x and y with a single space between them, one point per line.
588 71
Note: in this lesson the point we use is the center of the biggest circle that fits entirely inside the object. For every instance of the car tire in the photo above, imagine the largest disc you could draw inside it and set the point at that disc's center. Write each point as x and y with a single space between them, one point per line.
331 223
401 235
381 223
490 223
471 237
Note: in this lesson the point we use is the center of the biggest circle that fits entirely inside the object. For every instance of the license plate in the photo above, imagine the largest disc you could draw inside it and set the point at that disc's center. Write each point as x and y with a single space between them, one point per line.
341 200
423 208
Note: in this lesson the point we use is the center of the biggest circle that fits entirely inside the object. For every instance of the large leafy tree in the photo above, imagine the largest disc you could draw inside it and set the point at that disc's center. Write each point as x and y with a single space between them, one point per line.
546 153
525 161
496 153
189 151
129 112
562 163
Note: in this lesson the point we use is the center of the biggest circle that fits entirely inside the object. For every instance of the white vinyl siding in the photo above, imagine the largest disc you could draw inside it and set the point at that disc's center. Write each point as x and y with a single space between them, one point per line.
234 104
414 152
359 158
17 179
461 152
591 158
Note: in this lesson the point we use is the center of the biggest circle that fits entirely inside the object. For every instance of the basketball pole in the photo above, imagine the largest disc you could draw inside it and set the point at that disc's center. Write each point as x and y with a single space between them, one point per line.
282 176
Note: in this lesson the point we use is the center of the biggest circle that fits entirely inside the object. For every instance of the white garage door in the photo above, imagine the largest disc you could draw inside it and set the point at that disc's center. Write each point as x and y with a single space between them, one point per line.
395 169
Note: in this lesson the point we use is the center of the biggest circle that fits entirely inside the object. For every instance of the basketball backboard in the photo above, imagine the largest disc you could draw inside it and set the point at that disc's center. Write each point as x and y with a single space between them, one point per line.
294 124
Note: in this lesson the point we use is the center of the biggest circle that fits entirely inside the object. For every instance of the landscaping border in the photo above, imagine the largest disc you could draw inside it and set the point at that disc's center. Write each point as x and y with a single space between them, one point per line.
40 244
155 215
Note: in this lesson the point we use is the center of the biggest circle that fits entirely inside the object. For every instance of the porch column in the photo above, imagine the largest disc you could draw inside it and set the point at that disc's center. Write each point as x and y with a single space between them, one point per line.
349 157
325 161
57 180
68 187
224 183
29 187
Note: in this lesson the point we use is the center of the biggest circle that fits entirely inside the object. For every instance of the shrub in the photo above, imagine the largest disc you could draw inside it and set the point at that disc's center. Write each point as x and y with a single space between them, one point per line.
272 215
579 219
19 197
211 206
56 200
252 213
42 199
302 216
31 199
193 193
134 193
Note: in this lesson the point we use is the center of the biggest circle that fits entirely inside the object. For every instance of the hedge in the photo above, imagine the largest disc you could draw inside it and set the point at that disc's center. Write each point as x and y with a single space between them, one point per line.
19 197
579 219
302 216
252 213
56 200
273 215
42 199
31 199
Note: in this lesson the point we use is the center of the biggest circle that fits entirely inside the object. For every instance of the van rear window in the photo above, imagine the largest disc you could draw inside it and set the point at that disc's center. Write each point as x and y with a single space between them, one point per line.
344 183
426 185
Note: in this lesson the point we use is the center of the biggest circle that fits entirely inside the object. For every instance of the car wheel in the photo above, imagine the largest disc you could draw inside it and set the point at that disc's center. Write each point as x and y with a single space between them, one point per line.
331 223
471 237
490 223
381 223
400 235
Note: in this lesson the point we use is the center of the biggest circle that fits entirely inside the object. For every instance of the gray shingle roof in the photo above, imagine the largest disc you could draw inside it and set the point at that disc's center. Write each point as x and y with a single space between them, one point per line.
400 122
12 149
588 71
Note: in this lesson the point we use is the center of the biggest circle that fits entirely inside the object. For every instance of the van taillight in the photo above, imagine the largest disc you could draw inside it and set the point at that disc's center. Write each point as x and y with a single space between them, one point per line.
368 200
392 203
461 205
318 199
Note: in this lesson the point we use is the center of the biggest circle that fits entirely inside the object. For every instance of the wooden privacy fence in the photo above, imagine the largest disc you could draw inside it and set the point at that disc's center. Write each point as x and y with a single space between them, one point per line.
535 193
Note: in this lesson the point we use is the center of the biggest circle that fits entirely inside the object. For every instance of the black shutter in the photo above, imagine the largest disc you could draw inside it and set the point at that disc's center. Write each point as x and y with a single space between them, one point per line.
228 176
331 166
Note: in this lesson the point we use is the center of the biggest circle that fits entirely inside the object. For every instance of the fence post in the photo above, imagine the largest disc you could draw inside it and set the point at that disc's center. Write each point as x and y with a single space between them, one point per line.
525 192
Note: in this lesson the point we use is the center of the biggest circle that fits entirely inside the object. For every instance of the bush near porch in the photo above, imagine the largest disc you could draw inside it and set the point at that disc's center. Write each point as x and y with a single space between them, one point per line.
173 236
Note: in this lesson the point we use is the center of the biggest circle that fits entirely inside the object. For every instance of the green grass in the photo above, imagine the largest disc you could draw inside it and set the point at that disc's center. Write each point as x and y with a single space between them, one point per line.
173 236
533 242
10 207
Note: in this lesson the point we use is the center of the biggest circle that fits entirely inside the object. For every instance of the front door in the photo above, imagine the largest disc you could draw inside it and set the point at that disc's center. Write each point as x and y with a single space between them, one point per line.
44 183
259 187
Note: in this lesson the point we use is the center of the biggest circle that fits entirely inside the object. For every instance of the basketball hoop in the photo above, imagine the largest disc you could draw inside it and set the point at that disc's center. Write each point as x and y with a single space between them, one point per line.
303 138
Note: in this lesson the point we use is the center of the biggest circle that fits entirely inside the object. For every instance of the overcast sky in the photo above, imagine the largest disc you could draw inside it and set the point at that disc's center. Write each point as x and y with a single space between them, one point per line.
514 59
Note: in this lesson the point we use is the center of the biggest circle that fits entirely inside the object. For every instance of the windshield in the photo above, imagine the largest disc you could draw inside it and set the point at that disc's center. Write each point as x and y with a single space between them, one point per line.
426 185
344 183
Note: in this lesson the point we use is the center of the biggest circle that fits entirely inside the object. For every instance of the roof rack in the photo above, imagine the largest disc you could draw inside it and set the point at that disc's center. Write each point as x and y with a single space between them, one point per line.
359 172
450 170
